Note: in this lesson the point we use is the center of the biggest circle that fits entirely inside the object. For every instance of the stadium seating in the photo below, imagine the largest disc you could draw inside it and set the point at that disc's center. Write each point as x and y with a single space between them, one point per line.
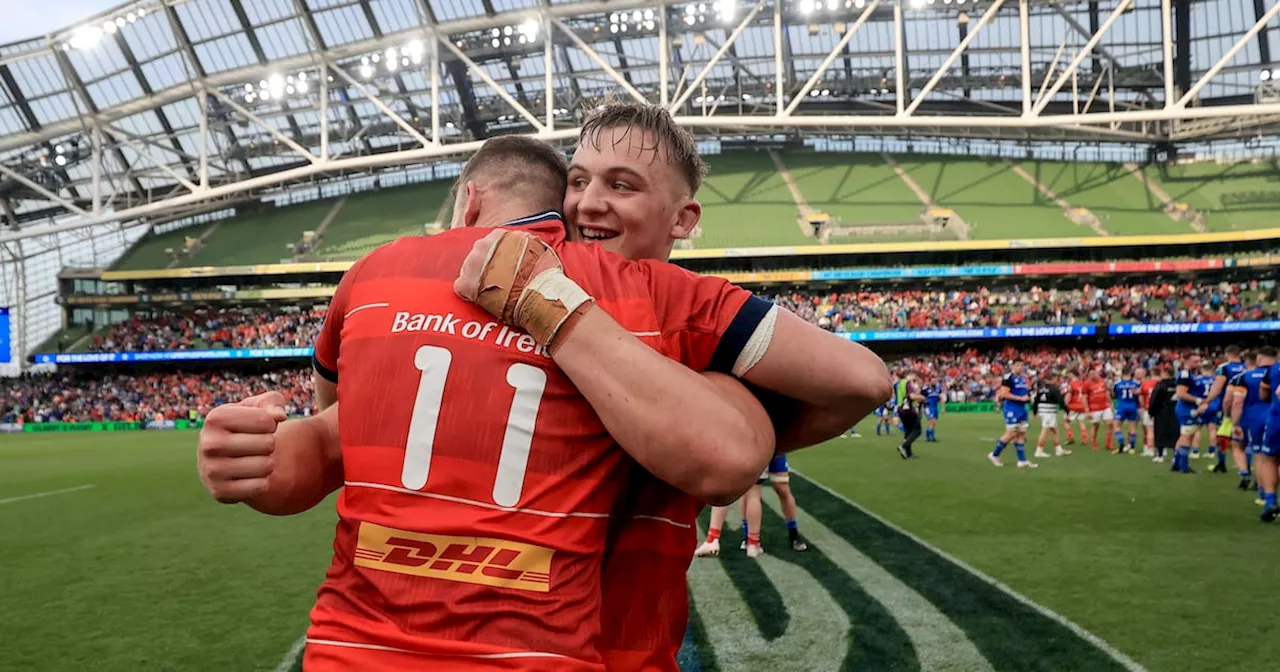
202 329
1232 197
86 396
371 219
747 202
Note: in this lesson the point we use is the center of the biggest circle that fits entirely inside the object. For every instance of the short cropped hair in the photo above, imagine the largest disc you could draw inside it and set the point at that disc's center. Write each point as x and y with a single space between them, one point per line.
1232 350
1266 351
520 168
637 117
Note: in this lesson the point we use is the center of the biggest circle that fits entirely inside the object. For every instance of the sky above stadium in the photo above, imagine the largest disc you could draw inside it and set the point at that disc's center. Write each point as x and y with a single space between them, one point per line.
25 20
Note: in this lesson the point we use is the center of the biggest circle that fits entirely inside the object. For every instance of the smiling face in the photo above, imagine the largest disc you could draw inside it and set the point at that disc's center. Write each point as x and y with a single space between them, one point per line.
625 194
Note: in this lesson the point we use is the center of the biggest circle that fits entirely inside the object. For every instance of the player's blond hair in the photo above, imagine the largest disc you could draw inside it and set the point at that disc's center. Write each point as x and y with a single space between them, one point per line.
647 119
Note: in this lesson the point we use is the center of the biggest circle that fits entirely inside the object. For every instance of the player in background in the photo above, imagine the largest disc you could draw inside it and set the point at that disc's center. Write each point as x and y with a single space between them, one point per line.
907 398
932 406
1204 376
1147 384
1162 408
778 474
1099 403
1192 388
1222 376
1013 397
1077 406
1261 412
1126 392
1234 416
885 416
1047 400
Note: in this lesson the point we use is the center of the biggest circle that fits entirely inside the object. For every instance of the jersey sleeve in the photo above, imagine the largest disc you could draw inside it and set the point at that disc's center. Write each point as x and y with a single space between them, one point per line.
1185 380
708 323
1007 381
325 357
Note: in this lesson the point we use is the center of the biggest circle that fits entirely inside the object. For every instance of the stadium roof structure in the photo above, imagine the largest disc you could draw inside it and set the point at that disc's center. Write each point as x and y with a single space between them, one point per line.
160 107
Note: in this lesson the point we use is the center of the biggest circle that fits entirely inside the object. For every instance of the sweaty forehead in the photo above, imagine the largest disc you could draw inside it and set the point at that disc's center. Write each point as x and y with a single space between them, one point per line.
623 148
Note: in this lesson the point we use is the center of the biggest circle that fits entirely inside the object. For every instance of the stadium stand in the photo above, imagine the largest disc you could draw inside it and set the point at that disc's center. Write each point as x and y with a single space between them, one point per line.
761 199
86 396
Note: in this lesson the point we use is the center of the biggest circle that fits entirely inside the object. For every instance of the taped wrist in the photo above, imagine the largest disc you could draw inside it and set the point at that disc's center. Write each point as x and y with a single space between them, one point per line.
550 306
545 305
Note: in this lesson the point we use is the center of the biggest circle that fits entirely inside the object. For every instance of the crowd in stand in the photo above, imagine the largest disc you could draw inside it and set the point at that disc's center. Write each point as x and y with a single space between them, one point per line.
973 376
839 311
83 395
983 307
213 329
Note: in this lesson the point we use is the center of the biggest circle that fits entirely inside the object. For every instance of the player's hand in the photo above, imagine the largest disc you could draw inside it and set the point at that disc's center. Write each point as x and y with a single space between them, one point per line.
234 454
518 279
1237 433
1201 409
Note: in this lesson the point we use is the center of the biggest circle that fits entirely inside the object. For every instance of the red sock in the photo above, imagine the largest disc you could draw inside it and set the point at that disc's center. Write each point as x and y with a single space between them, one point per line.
713 535
1224 443
1109 440
1070 437
753 538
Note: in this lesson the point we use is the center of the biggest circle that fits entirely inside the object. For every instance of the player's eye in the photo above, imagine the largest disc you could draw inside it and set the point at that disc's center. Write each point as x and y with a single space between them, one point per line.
578 183
621 186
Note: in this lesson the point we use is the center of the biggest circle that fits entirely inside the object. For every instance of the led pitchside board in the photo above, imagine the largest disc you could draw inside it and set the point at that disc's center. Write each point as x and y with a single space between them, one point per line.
5 342
1193 328
966 334
171 356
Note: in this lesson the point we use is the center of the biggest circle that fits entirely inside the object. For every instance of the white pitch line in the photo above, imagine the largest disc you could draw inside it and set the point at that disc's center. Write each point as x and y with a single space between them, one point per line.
292 656
50 493
1127 662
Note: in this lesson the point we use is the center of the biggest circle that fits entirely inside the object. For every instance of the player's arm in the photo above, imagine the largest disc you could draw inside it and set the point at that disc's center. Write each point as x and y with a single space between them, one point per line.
705 435
711 440
248 453
1183 393
307 465
1219 384
834 382
1234 406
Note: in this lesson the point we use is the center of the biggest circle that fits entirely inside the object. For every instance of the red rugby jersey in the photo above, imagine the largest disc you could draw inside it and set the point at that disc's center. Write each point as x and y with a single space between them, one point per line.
1099 395
479 485
1078 400
1144 392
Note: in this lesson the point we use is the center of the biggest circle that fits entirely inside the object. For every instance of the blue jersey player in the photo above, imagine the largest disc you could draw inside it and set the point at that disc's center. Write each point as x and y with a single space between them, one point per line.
1013 396
932 403
1192 390
1268 453
1222 377
1126 392
1248 411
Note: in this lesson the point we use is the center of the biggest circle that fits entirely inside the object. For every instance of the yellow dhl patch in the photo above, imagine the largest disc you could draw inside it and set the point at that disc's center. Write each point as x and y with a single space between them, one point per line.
480 560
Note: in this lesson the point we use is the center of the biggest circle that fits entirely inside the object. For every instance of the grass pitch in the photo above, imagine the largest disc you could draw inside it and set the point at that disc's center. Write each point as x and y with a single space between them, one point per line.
142 571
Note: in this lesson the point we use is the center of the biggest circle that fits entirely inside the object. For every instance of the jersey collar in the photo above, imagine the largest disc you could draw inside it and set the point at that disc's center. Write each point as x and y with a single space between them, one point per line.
548 225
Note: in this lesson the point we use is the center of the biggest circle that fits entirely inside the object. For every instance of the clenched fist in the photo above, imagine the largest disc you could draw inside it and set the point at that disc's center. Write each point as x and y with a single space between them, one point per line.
234 455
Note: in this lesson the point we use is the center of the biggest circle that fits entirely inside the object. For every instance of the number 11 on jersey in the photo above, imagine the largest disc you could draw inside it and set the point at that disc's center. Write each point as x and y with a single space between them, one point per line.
529 383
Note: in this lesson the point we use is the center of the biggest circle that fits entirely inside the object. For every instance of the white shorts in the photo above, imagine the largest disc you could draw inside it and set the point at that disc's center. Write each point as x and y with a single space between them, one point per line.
1073 416
1017 426
1102 416
1049 420
1145 416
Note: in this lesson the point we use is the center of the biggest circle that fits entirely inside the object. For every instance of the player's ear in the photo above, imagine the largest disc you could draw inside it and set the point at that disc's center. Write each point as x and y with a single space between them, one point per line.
470 205
687 217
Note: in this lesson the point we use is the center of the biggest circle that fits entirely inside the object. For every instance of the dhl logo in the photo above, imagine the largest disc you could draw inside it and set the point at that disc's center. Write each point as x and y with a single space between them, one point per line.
481 560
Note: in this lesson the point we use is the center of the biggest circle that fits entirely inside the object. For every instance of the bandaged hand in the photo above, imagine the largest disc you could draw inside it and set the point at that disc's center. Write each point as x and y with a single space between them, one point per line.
518 279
